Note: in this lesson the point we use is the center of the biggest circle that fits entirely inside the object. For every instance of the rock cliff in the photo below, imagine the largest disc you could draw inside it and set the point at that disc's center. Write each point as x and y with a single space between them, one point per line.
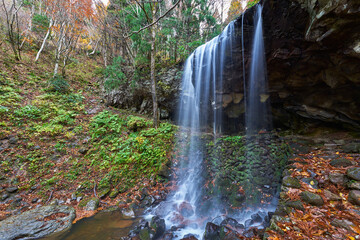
313 64
313 60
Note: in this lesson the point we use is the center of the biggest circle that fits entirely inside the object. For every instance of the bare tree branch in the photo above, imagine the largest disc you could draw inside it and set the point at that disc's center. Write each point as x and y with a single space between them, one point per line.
156 21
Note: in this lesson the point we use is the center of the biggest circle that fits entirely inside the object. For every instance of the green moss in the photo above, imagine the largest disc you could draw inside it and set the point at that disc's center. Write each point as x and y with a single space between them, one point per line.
135 123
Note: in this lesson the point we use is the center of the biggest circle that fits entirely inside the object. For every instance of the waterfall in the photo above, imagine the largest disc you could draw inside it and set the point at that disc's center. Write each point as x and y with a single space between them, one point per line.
200 107
188 209
257 104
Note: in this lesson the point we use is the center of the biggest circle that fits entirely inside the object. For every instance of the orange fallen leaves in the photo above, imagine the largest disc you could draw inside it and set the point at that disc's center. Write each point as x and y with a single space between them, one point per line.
315 222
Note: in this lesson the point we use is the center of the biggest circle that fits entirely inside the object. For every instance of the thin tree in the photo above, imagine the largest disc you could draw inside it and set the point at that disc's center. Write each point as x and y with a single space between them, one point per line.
13 26
152 26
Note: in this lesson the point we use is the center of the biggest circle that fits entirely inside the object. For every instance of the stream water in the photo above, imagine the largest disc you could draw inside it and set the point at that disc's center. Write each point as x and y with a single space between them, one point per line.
104 225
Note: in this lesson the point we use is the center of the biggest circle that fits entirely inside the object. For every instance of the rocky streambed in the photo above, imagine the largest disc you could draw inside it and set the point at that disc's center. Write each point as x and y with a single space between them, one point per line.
321 177
321 174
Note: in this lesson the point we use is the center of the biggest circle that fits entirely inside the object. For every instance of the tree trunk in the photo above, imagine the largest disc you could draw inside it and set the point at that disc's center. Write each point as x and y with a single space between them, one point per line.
44 41
153 80
58 49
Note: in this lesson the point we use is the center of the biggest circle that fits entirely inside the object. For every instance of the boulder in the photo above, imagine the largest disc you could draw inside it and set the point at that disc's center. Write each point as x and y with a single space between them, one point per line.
341 162
311 198
158 226
231 222
295 204
38 222
186 210
256 218
331 196
353 173
337 178
353 185
189 237
351 147
212 231
92 204
291 182
354 197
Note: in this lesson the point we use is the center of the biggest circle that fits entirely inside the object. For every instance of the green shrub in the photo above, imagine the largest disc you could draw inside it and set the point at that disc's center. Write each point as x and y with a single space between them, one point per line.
64 117
59 84
40 23
28 111
114 75
135 123
3 110
252 3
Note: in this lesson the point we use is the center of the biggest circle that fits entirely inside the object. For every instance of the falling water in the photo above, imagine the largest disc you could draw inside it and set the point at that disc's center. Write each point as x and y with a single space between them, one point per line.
200 111
257 110
200 107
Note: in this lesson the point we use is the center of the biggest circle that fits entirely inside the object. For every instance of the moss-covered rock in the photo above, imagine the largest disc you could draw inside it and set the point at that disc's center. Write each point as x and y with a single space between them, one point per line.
89 204
341 162
164 171
144 234
104 192
291 182
295 204
312 198
114 193
158 227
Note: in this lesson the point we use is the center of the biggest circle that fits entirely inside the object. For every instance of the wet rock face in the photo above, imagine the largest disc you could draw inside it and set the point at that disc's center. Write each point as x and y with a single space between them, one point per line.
37 223
313 62
246 171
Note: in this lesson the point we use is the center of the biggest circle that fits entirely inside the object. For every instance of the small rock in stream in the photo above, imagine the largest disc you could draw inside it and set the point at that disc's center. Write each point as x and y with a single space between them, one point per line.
256 218
128 212
189 237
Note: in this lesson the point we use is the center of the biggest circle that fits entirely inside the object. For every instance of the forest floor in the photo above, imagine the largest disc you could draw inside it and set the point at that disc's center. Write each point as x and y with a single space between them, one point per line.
320 197
57 140
59 146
